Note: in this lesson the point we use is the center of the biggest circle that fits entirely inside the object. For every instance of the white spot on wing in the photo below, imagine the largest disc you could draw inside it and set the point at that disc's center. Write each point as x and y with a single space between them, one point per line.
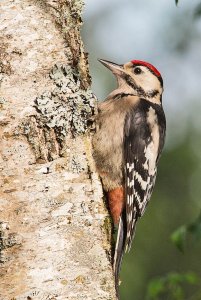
131 183
141 181
130 167
130 217
151 151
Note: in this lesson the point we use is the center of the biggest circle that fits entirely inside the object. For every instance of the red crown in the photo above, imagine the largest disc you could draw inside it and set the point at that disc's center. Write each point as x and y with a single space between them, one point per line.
146 64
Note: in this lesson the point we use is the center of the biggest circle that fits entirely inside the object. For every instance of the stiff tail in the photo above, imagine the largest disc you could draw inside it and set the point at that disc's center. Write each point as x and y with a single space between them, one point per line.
119 251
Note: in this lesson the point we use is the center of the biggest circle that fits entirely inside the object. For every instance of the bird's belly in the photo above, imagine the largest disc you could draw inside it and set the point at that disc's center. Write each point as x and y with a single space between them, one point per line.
107 152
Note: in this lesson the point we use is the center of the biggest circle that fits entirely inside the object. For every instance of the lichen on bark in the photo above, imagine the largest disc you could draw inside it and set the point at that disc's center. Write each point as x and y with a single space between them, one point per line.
68 17
63 113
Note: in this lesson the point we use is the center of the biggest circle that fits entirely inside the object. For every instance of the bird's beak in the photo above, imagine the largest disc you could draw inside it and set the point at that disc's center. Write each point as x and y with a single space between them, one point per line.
115 68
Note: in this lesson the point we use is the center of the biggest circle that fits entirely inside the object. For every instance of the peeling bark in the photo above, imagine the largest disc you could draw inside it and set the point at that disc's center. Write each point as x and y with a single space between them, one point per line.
55 231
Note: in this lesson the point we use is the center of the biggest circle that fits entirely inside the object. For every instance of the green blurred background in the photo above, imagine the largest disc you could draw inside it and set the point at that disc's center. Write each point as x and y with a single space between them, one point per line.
170 38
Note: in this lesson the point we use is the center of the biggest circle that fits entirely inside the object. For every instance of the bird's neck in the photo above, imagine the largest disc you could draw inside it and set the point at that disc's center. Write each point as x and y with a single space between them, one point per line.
125 89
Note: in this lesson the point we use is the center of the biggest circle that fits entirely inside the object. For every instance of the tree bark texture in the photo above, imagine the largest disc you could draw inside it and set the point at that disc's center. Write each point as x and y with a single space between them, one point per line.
55 231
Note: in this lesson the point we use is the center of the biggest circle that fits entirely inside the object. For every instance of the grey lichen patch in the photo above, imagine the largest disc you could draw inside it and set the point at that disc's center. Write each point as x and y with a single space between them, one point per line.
2 101
67 108
5 66
65 112
7 240
77 8
78 164
81 102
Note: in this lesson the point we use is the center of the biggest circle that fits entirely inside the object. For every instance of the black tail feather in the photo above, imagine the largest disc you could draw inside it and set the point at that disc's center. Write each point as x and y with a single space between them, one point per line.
119 251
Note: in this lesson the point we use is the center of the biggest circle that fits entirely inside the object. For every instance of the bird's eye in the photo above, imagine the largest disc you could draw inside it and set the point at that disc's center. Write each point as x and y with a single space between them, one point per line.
137 71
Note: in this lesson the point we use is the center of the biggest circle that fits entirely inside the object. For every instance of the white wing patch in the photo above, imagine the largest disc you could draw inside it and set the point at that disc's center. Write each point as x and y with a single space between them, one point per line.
151 151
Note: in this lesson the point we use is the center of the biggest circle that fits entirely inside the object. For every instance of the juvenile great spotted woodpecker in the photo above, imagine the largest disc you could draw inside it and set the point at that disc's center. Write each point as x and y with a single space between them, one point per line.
127 146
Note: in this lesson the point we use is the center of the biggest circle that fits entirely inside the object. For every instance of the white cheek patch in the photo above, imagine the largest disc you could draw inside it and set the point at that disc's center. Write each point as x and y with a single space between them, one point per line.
148 81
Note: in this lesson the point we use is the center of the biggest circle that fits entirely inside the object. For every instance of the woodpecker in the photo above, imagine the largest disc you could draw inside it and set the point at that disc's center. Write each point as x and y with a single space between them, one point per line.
129 138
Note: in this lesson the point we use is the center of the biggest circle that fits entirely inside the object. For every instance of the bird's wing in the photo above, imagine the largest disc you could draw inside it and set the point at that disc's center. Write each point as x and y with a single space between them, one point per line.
143 142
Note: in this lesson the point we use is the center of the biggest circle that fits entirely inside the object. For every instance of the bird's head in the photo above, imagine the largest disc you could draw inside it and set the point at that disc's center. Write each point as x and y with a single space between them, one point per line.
138 76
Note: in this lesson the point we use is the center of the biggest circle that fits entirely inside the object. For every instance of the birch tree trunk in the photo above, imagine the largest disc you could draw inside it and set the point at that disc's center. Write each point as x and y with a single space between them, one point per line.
55 232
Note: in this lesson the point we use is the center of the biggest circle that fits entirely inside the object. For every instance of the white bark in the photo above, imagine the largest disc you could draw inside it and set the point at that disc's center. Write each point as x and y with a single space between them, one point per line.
54 228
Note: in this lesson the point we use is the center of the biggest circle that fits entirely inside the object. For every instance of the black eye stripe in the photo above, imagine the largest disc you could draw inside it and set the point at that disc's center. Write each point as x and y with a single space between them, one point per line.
137 70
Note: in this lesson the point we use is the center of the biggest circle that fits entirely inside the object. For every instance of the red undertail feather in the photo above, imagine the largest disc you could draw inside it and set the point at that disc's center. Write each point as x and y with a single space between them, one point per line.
116 203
